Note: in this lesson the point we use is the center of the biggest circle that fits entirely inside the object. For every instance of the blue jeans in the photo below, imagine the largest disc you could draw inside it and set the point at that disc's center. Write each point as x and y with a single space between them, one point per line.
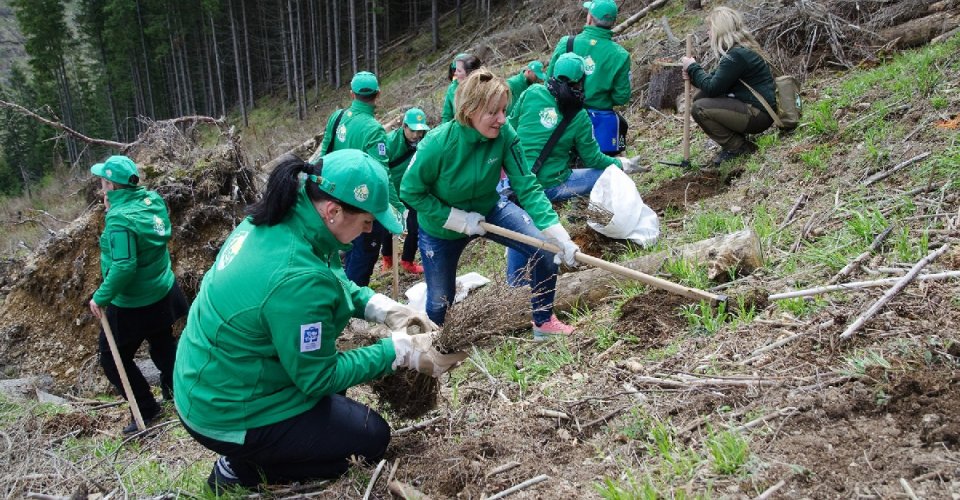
359 261
579 183
440 258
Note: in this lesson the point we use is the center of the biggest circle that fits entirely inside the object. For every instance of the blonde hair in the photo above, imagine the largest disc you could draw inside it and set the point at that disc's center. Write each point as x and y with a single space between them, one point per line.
476 93
727 30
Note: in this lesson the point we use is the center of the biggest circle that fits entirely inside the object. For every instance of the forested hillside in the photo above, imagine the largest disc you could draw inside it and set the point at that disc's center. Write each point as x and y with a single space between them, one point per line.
11 43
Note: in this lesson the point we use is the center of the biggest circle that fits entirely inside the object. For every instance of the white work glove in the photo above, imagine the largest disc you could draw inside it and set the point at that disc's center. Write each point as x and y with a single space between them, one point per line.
558 236
416 352
467 223
396 316
631 165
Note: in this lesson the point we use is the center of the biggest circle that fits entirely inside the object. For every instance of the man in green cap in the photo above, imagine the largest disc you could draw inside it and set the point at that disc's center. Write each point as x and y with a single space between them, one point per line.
357 128
139 294
607 68
401 145
531 73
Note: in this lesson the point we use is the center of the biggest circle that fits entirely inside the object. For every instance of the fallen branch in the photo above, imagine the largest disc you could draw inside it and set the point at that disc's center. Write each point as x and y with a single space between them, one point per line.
856 285
503 468
801 200
903 282
59 126
783 412
630 21
373 479
551 414
847 269
693 383
526 484
755 355
887 173
768 493
417 426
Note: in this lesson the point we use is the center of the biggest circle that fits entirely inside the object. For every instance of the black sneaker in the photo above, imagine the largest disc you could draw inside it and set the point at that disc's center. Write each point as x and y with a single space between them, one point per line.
148 419
730 154
167 392
222 480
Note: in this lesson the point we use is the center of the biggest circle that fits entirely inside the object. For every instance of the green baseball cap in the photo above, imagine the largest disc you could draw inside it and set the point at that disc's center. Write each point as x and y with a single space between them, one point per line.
364 83
537 68
355 178
453 63
602 10
416 119
569 65
117 169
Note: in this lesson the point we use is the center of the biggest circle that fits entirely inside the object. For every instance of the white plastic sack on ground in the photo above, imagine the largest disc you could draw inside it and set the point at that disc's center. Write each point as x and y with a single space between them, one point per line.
417 294
632 219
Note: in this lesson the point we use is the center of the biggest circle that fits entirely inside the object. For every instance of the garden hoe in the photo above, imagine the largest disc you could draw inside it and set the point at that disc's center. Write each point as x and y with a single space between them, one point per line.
134 408
692 293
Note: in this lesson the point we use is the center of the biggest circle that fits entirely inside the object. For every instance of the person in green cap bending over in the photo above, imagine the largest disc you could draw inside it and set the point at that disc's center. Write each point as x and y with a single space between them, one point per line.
357 128
401 145
531 73
139 294
607 68
539 114
259 377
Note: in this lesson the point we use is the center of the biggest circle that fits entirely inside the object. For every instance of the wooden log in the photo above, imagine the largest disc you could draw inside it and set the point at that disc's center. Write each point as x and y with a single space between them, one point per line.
917 32
666 85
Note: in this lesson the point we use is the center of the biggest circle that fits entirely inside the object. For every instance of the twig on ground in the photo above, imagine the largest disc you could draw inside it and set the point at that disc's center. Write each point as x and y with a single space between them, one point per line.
908 489
526 484
854 285
877 241
903 282
483 369
373 479
783 412
767 493
801 200
605 417
503 468
417 426
887 173
694 383
541 412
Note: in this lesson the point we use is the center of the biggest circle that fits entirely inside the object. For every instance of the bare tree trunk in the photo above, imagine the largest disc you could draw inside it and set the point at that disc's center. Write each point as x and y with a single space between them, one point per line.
336 39
386 21
216 60
435 23
353 36
266 70
246 46
314 45
101 47
286 58
294 60
209 88
328 20
174 85
237 66
376 39
302 81
146 62
459 13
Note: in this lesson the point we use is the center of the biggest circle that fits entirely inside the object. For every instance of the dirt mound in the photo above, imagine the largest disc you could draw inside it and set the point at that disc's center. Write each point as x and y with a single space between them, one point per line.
690 188
654 318
46 326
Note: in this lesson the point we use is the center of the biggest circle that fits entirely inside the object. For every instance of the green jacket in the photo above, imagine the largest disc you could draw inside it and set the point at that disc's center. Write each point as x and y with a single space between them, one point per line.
535 117
400 154
739 63
607 83
358 129
449 112
259 345
134 259
517 83
457 167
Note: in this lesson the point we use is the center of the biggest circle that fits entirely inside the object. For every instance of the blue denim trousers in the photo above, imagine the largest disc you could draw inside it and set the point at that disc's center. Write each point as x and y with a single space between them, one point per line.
579 183
440 259
359 260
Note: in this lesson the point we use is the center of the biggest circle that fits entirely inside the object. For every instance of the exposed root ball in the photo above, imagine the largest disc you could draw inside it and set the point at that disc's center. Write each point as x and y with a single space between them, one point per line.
407 393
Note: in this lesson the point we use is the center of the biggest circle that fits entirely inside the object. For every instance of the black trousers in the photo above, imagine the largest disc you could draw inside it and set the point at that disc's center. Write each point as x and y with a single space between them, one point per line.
131 327
316 444
409 243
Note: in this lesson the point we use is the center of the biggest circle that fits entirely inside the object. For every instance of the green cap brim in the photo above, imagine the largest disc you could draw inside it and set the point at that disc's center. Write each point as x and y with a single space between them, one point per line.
418 126
99 170
390 219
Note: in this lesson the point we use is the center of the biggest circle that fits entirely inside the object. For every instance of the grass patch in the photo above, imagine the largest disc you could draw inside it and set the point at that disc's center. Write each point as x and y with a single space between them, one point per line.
526 368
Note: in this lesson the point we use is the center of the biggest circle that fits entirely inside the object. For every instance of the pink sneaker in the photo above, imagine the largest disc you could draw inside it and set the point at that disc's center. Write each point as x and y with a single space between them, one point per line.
550 329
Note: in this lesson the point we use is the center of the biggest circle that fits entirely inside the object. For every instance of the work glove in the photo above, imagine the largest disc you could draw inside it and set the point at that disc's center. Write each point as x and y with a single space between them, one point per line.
416 352
631 165
396 316
558 236
467 223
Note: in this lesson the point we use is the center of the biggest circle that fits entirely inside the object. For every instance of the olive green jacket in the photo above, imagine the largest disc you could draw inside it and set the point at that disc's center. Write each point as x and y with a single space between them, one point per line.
134 259
457 167
739 63
607 65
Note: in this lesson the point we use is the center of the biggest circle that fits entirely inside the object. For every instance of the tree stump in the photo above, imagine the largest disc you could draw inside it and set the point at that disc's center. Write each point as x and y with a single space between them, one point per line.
666 84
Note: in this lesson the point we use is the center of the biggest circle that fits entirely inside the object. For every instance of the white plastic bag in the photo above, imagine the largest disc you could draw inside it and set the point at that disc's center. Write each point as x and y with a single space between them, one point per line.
417 294
632 219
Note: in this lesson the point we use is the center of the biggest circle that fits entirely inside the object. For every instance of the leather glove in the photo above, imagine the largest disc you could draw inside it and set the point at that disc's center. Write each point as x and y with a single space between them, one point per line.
467 223
416 352
632 165
396 316
558 236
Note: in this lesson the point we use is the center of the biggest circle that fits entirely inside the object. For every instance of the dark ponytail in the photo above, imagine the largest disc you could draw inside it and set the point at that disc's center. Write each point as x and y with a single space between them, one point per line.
281 193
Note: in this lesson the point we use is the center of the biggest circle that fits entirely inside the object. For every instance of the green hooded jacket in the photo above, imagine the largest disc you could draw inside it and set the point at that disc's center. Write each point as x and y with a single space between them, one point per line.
607 65
517 83
457 167
400 154
449 112
535 117
134 259
739 63
358 129
259 345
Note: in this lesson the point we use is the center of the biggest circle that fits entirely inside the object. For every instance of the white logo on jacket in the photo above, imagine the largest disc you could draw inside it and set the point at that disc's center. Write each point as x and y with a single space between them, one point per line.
589 65
230 249
549 117
310 336
158 226
342 133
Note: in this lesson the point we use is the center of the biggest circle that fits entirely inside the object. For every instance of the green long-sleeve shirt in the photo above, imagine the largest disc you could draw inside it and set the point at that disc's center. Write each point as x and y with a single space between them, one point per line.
535 117
134 259
517 84
606 64
457 167
739 63
259 345
400 154
449 111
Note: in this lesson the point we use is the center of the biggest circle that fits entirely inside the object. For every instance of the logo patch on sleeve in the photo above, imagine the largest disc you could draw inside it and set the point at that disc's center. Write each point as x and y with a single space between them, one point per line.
310 337
382 148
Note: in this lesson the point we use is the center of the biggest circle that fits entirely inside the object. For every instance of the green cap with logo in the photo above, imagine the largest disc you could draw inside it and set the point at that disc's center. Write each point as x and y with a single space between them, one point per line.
355 178
537 68
416 119
569 66
453 63
117 169
364 83
602 10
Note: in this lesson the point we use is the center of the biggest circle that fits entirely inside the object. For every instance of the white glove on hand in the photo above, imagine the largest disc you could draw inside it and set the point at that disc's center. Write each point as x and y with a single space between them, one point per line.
416 352
631 165
396 316
467 223
558 236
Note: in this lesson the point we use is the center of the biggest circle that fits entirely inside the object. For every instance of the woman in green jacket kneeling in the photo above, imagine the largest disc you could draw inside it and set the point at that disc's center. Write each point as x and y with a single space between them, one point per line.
259 377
